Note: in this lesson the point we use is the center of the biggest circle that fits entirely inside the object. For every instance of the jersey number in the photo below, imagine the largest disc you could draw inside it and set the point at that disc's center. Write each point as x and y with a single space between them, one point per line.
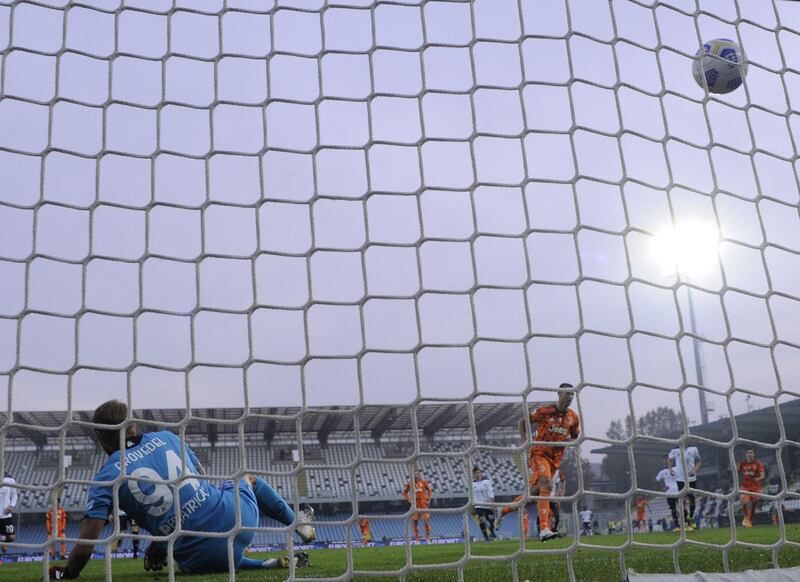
160 500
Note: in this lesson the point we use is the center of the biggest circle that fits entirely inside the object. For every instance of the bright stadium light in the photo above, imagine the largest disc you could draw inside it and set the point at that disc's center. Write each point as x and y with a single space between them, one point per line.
688 248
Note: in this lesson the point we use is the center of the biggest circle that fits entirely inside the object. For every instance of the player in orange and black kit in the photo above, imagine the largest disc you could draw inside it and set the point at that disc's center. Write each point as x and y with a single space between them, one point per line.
61 529
641 514
753 472
422 496
554 423
363 525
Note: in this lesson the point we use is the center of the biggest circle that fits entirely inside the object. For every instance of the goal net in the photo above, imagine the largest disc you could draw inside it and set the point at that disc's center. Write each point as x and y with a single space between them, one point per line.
334 242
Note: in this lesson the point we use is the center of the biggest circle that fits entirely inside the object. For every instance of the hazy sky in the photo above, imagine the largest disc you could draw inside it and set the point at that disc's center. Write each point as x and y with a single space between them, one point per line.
381 201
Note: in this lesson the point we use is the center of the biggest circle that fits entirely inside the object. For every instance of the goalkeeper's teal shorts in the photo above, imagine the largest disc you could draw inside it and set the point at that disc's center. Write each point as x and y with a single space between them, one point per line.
201 554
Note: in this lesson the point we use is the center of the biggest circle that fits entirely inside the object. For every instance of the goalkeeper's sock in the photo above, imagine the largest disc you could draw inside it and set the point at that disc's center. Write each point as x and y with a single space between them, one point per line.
271 504
269 564
251 564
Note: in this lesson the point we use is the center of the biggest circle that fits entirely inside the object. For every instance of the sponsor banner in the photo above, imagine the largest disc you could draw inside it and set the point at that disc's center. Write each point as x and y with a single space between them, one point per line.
423 542
32 558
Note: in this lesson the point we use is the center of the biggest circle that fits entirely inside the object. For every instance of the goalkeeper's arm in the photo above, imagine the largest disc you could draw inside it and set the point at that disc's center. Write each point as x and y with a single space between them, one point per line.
81 553
201 470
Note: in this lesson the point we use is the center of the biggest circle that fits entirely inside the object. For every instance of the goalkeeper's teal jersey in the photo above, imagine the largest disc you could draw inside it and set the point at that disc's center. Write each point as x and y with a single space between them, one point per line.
156 456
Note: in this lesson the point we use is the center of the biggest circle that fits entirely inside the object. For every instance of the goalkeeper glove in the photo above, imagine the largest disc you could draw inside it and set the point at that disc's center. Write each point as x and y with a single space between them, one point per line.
155 558
59 573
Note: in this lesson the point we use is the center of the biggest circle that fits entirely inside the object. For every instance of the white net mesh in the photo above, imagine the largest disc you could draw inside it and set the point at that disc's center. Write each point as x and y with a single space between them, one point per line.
238 215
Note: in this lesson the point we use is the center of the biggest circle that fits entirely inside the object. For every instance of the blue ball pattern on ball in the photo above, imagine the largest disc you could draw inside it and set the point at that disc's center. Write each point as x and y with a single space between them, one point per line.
719 66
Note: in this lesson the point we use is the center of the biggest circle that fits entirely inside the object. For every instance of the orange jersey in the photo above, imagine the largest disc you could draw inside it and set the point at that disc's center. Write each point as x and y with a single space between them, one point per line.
363 525
641 505
62 520
750 472
553 426
422 493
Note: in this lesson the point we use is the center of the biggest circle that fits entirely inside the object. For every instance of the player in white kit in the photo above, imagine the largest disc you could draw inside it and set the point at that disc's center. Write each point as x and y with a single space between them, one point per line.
686 475
482 497
666 477
586 521
8 504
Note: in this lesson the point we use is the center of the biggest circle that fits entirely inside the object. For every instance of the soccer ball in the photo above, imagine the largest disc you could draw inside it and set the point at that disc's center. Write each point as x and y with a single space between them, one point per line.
307 533
720 66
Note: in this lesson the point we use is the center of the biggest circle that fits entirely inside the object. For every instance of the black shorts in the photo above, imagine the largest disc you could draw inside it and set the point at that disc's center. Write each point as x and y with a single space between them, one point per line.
681 485
125 522
484 512
7 527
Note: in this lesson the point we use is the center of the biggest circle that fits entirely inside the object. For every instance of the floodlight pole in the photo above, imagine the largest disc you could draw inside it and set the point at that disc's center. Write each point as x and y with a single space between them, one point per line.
698 363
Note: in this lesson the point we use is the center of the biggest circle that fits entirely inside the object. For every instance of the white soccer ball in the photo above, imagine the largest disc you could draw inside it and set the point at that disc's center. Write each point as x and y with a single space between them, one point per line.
307 532
720 66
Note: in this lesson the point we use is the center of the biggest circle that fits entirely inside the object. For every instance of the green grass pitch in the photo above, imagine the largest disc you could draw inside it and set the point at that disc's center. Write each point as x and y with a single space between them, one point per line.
589 564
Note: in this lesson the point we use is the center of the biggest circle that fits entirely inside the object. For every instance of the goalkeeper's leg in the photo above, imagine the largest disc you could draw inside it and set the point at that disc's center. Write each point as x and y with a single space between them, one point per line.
251 564
300 561
270 503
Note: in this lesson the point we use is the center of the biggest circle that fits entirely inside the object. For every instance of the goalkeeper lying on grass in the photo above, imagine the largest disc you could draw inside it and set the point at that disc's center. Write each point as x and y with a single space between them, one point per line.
152 460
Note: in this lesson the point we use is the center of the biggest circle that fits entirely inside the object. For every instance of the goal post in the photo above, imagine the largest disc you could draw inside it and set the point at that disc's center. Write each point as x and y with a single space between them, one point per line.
376 234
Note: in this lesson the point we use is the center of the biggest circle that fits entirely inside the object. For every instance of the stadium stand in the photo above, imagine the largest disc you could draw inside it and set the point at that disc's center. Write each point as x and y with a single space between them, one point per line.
372 480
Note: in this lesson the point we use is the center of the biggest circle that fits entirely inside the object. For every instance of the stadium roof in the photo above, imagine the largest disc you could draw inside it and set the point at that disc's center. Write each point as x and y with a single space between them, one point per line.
276 422
760 425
